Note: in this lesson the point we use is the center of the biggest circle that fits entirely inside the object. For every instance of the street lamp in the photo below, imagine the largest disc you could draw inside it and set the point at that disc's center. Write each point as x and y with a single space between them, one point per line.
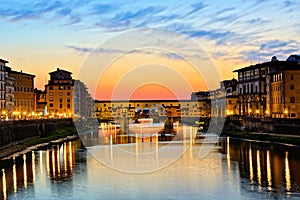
286 113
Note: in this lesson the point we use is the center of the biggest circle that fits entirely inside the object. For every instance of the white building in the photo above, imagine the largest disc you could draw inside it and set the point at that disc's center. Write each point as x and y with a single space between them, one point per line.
2 86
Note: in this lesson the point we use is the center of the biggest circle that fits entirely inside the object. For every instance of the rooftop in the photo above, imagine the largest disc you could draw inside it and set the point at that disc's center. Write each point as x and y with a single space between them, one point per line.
3 61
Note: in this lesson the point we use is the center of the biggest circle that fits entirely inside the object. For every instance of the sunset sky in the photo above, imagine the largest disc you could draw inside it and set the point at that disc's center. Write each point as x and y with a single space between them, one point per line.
39 36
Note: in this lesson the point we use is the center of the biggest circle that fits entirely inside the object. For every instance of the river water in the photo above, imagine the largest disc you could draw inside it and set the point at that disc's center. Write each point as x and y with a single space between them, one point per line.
233 169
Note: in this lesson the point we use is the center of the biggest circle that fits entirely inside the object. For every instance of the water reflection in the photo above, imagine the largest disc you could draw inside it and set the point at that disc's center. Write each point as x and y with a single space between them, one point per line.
272 167
23 172
269 175
287 173
246 170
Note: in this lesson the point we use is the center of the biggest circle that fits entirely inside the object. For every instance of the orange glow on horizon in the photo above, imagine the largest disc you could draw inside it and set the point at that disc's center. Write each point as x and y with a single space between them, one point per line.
146 93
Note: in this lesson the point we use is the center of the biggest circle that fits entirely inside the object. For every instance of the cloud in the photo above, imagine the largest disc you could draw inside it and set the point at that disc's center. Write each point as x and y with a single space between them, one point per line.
25 12
80 49
196 7
94 50
150 10
257 21
274 44
102 8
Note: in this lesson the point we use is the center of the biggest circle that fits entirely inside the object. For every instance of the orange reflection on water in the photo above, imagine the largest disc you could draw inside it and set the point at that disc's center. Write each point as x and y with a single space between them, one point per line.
269 174
250 166
15 178
48 162
4 185
33 165
287 173
25 171
70 156
228 155
258 170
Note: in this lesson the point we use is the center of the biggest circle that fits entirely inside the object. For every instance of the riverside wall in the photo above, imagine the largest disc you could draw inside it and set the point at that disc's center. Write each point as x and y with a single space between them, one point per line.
14 131
271 125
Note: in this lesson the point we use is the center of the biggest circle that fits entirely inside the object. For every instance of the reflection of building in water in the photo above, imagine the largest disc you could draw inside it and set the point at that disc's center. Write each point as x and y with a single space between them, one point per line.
265 165
20 173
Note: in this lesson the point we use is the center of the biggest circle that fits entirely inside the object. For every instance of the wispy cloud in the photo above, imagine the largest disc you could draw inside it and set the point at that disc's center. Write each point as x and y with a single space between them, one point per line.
274 44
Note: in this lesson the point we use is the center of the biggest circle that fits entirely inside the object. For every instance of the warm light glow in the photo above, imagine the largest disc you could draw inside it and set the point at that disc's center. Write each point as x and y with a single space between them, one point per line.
228 155
250 166
269 174
25 171
257 111
33 166
287 173
249 110
285 111
4 184
258 169
15 178
267 112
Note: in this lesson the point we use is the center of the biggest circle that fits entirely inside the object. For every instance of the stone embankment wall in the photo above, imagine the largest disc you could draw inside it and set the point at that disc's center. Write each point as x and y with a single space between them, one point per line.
271 125
14 131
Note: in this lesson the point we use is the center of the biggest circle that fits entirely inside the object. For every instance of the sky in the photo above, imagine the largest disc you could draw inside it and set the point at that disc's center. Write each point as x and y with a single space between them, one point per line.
40 36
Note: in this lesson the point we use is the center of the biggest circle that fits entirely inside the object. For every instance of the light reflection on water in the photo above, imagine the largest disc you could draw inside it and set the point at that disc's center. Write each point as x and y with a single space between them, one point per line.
233 170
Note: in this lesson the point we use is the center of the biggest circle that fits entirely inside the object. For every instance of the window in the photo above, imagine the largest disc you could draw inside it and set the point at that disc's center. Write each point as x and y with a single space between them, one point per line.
293 114
68 93
292 77
51 88
229 101
68 106
292 87
68 100
60 100
292 100
51 105
60 87
60 105
51 93
60 94
51 99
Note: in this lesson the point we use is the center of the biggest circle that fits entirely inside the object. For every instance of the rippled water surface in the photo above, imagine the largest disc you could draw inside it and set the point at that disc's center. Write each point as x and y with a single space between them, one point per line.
232 170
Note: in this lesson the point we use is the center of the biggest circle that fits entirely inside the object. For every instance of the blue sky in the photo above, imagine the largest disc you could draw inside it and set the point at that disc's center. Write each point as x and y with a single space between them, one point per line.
39 36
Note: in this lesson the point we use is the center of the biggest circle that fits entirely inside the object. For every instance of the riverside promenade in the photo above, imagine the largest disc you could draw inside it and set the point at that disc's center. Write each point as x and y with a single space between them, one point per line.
16 135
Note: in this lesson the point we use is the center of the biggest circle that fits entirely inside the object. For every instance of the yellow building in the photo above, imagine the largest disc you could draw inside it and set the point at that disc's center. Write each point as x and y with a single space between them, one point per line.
285 95
59 94
23 93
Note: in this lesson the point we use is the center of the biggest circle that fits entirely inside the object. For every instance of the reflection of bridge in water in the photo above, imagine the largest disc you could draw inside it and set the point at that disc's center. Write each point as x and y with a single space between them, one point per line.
110 134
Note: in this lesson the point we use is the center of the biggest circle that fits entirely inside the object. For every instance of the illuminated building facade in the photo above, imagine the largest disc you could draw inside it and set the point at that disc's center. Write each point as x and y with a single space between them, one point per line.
9 96
2 85
283 100
252 91
59 94
153 108
23 92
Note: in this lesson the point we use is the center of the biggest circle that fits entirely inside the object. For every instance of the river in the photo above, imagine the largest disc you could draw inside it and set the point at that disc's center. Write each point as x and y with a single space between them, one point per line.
233 169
